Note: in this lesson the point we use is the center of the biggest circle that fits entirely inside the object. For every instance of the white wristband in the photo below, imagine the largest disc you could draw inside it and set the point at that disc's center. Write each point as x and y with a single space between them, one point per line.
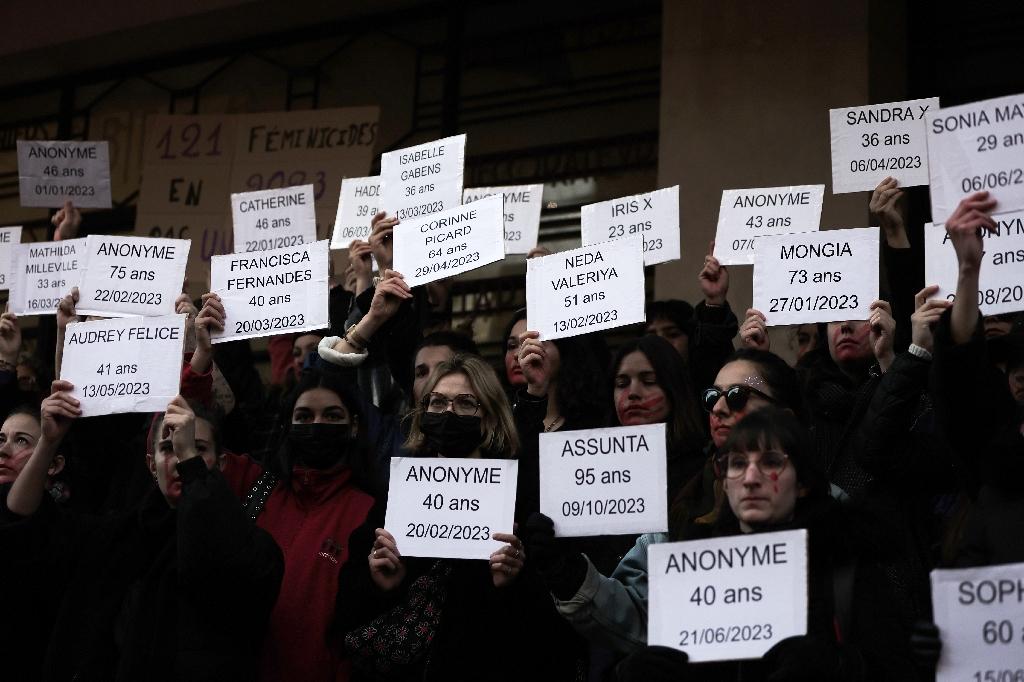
919 352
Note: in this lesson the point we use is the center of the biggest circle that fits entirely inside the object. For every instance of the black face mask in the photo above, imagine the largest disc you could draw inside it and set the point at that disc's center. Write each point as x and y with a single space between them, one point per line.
320 446
450 434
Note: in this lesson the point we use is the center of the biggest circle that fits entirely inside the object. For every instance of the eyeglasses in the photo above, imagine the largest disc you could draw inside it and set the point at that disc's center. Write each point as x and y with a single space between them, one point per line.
736 396
735 464
463 404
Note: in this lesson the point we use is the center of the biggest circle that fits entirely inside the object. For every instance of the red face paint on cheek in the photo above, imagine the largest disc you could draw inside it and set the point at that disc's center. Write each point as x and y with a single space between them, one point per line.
651 403
775 480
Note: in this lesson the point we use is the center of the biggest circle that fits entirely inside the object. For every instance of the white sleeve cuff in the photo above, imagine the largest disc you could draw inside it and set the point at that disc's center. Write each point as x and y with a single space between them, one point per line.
328 354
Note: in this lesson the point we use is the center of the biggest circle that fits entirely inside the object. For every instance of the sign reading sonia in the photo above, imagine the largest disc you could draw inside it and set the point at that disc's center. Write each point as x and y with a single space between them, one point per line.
746 214
588 289
975 147
124 365
522 213
604 481
9 236
124 276
42 273
654 216
980 615
728 598
877 141
417 181
825 276
273 218
50 173
451 242
450 507
356 207
271 292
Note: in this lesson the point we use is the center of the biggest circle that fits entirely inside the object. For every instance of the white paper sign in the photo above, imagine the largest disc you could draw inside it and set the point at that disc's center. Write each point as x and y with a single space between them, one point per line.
1001 280
123 276
417 181
451 242
450 508
728 598
974 147
9 237
584 290
877 141
980 616
604 481
522 213
654 216
42 273
50 173
124 365
273 218
746 214
271 292
827 276
357 205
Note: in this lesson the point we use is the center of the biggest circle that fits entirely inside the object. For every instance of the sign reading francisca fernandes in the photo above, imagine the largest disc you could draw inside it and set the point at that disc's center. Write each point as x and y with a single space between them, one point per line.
417 181
746 214
124 276
52 172
654 216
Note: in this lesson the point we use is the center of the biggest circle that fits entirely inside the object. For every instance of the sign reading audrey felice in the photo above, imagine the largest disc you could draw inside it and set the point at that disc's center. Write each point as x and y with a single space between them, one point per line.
746 214
9 236
1000 284
417 181
124 276
50 173
604 481
271 292
975 147
356 207
522 213
273 218
654 216
42 273
587 289
451 242
124 365
728 598
980 614
450 508
877 141
825 276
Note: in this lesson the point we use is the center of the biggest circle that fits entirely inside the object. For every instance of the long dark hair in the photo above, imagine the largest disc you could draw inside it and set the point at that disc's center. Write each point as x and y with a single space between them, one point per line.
582 387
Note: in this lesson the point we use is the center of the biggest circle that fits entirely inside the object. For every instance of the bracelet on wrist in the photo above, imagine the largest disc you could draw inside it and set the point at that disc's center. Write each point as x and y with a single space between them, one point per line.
919 352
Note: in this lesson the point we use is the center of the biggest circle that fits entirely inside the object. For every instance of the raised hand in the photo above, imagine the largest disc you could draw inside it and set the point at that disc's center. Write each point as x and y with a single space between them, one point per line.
535 362
754 332
381 229
180 426
926 316
386 568
10 338
67 220
883 332
714 279
884 207
58 411
507 562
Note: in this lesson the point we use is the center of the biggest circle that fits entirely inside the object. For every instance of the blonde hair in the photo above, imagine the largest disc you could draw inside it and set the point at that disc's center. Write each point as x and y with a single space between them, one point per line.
500 438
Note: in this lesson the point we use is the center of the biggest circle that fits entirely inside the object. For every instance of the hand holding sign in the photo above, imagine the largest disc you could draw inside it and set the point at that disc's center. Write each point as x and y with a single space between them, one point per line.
507 562
754 332
58 411
885 211
10 338
965 225
883 330
926 316
66 222
535 362
386 567
387 298
714 279
382 230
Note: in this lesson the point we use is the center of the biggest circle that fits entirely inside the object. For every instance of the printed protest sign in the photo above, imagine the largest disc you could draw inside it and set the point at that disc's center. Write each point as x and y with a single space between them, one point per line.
123 276
9 237
417 181
273 218
42 273
522 213
52 172
356 208
654 216
746 214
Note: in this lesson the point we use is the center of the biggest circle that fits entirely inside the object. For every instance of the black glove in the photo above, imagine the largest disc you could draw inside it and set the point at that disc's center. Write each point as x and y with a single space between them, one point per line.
925 645
806 658
563 571
654 664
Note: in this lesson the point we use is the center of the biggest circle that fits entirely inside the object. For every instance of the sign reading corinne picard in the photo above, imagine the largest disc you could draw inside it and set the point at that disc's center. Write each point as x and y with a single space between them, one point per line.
826 276
728 598
42 273
273 218
417 181
271 292
604 481
587 289
654 216
746 214
50 173
450 508
124 276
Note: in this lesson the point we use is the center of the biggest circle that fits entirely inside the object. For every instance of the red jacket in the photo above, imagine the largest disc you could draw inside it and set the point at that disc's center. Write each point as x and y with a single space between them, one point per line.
311 518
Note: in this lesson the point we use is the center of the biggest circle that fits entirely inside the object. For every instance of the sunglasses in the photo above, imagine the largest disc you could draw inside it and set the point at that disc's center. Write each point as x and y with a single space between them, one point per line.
736 397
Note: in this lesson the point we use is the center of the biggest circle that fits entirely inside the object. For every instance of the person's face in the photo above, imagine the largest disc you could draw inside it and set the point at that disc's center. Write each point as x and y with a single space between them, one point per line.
670 331
760 500
639 399
513 372
806 339
427 358
26 378
301 347
722 417
997 325
18 437
1016 378
849 342
456 384
163 464
320 406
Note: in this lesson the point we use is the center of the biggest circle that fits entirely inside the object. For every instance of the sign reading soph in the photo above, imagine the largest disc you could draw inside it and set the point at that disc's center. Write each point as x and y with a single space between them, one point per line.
522 213
587 289
273 218
980 615
356 208
654 216
9 237
604 481
975 147
1000 286
42 273
124 276
825 276
124 365
746 214
728 598
50 173
450 508
878 141
451 242
417 181
271 292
